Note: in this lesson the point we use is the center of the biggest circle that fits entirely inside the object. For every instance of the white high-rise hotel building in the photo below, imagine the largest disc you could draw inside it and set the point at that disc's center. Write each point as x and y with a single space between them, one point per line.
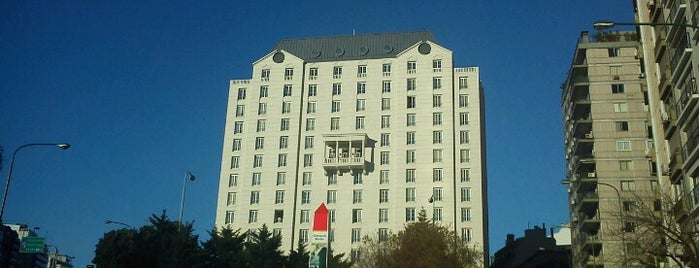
374 126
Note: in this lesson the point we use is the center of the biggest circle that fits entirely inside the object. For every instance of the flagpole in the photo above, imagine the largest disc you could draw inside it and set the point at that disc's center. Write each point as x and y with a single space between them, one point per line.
184 189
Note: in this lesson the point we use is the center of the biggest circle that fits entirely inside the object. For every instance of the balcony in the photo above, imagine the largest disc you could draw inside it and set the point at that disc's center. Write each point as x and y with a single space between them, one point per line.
687 104
690 151
345 153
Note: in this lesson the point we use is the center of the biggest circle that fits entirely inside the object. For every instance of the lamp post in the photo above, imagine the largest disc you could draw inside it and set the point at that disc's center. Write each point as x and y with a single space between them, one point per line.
603 25
117 222
184 189
621 214
63 146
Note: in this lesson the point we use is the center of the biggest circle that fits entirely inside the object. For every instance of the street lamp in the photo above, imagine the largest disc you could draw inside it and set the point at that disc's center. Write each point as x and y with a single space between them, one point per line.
603 25
117 222
184 189
63 146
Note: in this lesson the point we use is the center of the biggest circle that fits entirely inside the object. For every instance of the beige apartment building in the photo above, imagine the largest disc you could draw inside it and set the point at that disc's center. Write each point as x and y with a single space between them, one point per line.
607 143
376 126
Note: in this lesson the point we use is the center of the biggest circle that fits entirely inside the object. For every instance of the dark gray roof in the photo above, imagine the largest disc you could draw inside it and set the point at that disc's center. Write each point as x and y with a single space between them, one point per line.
353 47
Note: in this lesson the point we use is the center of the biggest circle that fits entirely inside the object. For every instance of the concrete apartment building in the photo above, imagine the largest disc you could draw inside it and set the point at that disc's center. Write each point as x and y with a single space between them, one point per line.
375 126
607 143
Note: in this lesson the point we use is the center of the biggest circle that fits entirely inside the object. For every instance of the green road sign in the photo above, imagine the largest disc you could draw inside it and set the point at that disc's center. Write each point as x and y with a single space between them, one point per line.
32 244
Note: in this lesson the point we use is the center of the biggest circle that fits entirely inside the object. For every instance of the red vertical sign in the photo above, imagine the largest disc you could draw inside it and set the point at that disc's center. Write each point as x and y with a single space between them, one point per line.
320 225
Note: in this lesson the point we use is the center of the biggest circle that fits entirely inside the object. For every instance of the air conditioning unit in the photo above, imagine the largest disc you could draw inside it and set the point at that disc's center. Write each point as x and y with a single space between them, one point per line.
641 75
665 169
591 174
588 135
665 116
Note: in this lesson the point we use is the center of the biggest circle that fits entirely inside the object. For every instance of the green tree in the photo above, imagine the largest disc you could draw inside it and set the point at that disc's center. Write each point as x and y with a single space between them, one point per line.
298 258
225 248
116 248
338 261
263 249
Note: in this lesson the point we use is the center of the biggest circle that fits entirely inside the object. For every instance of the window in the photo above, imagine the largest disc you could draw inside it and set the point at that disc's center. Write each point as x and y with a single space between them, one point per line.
361 87
385 104
621 125
265 74
238 127
287 90
385 139
308 160
436 82
410 118
356 238
464 137
411 102
436 101
279 197
335 106
463 101
284 124
463 82
256 179
305 197
623 145
437 214
361 71
357 178
383 195
436 119
465 214
283 142
437 156
337 89
337 72
620 107
281 160
385 121
303 235
463 119
437 65
465 155
628 186
332 196
332 179
311 107
412 67
305 216
361 105
254 197
384 158
629 205
259 143
410 156
437 174
386 87
411 84
465 194
436 137
386 68
239 110
308 144
410 137
334 123
409 194
312 90
281 178
356 196
466 234
230 216
264 91
625 165
235 160
629 227
307 178
241 93
288 73
356 215
257 160
233 180
383 176
410 175
359 122
261 125
236 145
614 52
286 107
262 108
383 215
465 175
437 194
409 214
312 73
617 88
310 124
231 198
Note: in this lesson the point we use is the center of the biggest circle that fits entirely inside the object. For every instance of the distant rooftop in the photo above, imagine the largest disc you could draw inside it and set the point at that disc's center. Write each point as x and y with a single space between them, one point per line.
353 47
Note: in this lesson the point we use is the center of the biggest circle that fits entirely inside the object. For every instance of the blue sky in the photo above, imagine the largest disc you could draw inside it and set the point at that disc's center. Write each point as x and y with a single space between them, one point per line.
139 88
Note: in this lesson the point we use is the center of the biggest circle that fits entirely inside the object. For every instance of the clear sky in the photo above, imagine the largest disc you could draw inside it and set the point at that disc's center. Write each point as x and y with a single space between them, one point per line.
139 88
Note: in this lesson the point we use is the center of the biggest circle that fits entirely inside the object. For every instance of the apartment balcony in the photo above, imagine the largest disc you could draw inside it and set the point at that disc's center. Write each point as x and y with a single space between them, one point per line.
687 104
346 153
690 151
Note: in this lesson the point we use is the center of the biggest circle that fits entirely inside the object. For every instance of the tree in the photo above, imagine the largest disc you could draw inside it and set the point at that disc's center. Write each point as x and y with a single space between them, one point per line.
419 244
263 249
116 248
223 249
338 261
298 258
